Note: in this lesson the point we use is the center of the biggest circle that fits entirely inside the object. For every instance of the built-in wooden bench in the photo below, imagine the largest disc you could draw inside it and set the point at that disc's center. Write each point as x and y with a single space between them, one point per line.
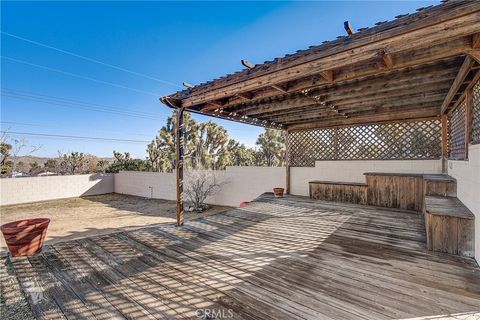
339 191
440 185
449 225
395 190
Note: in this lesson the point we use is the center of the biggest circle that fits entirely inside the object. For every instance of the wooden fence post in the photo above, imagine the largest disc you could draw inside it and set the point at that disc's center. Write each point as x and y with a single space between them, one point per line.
179 136
444 143
468 118
287 162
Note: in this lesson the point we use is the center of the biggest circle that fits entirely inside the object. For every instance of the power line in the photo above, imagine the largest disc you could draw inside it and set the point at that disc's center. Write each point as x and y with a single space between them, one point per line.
91 59
75 104
34 134
79 76
23 124
44 97
49 126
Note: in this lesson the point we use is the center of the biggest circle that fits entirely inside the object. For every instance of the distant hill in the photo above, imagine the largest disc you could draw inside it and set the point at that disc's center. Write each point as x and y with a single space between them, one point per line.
41 160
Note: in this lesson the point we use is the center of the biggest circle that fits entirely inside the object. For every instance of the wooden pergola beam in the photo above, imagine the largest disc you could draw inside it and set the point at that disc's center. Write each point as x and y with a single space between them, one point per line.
395 106
375 86
369 118
417 94
403 60
179 140
476 41
459 79
475 54
388 60
328 75
438 30
313 115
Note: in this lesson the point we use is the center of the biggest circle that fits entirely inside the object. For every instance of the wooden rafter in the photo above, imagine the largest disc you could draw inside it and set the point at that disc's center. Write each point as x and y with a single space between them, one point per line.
419 33
476 41
369 118
462 74
403 60
388 60
406 68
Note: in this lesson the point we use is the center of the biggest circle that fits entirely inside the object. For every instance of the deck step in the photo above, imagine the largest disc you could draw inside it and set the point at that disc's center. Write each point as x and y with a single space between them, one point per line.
440 185
449 225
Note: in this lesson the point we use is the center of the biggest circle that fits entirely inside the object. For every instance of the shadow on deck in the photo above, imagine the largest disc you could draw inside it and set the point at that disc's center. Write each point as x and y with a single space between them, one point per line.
289 258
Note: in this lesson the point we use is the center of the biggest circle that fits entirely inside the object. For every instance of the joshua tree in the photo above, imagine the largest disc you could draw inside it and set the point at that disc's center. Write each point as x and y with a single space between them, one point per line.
51 165
73 163
272 147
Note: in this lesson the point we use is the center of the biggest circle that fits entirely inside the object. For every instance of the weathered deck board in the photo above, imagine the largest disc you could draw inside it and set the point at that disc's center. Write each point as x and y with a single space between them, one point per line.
289 258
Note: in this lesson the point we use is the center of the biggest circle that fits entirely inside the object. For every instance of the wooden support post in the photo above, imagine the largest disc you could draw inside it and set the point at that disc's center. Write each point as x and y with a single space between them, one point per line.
468 118
179 136
444 143
287 162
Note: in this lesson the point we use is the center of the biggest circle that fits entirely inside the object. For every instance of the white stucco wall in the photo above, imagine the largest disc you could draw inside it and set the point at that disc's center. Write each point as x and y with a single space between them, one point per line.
467 174
353 170
157 185
22 190
242 184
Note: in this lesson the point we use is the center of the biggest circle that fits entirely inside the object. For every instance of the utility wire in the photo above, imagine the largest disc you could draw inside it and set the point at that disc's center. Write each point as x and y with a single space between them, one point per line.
35 134
23 124
79 76
90 59
49 126
21 93
76 104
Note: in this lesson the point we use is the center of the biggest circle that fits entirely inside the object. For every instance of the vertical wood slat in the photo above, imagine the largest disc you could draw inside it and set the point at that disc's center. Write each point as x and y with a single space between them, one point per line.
395 191
338 191
179 164
287 162
444 143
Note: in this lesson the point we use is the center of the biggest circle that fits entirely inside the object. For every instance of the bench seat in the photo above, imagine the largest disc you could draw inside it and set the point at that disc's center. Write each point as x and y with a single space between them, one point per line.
449 225
351 192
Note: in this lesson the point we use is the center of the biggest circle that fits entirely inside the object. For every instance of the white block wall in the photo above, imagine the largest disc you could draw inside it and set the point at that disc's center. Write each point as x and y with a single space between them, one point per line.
353 170
22 190
467 174
247 183
144 183
242 184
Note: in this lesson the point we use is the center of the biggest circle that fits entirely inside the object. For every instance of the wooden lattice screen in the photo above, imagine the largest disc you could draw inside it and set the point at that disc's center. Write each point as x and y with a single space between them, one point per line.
456 132
475 133
387 141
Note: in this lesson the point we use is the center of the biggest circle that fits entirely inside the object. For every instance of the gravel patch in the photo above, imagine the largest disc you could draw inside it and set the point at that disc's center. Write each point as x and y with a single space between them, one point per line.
13 304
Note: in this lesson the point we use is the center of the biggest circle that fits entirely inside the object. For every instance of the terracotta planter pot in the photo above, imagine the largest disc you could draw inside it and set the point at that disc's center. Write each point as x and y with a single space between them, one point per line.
244 204
25 237
278 192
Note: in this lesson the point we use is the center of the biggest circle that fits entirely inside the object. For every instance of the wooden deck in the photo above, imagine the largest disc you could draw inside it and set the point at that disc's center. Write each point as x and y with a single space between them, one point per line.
290 258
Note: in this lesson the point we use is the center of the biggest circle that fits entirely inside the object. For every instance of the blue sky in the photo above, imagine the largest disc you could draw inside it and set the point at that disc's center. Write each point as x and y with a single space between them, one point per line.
171 41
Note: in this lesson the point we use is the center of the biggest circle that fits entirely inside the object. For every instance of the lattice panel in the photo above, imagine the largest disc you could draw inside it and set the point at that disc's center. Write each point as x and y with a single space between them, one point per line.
475 134
389 141
307 146
456 132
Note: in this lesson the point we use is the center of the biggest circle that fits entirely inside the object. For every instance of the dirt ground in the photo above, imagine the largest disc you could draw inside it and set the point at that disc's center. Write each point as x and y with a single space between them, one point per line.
76 218
88 216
